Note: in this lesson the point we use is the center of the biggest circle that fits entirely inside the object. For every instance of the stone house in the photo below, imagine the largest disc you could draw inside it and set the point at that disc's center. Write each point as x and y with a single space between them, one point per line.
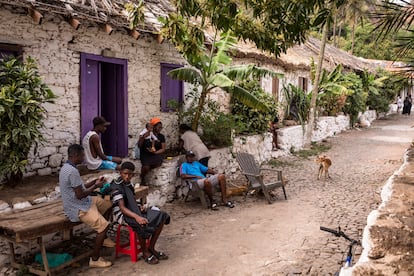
96 66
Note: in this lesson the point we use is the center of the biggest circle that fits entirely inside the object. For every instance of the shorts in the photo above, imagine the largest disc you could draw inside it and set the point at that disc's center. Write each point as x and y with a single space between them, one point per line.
212 179
107 165
93 217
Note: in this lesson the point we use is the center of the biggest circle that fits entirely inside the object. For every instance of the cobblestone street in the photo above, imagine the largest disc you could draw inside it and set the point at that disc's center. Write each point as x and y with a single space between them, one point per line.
283 238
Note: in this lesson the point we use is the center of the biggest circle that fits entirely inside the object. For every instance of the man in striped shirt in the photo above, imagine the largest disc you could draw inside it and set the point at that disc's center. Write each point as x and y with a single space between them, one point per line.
79 205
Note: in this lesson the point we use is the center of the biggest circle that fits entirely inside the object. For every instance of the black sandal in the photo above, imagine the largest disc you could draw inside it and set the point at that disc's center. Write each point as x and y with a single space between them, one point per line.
214 207
152 260
229 204
160 255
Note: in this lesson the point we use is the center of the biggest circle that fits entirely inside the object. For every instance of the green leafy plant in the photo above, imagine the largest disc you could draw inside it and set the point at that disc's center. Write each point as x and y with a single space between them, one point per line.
297 104
356 100
21 113
250 120
211 69
135 12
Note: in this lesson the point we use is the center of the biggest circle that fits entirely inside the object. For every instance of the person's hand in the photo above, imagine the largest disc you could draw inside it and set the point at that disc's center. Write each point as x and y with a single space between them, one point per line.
141 220
117 160
151 150
100 181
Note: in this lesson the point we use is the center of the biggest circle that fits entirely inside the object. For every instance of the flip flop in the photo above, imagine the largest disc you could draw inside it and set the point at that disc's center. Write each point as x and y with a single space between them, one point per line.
214 207
229 204
160 255
152 260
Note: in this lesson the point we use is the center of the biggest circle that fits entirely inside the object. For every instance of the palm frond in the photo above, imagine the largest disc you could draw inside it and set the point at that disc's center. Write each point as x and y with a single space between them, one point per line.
186 74
241 72
246 98
221 80
393 16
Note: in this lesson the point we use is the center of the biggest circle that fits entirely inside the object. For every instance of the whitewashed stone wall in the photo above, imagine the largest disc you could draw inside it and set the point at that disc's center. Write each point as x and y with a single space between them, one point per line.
293 137
57 46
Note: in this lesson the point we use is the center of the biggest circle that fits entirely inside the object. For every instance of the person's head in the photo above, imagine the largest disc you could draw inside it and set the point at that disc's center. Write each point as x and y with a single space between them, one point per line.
149 127
189 156
100 124
76 154
127 171
156 123
183 128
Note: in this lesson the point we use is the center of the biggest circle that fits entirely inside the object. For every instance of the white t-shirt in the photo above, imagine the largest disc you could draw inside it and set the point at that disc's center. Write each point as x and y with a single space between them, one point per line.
193 142
151 136
91 162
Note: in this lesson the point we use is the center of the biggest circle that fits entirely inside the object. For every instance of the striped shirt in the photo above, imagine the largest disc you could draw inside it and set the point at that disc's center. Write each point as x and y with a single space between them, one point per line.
117 196
69 179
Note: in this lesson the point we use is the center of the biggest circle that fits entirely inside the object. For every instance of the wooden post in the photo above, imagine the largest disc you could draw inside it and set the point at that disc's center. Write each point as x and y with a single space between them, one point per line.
108 29
74 23
160 39
36 16
135 34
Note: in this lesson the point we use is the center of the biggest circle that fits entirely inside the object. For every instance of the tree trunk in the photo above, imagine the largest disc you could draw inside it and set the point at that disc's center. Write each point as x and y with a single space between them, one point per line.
353 36
201 101
315 89
334 31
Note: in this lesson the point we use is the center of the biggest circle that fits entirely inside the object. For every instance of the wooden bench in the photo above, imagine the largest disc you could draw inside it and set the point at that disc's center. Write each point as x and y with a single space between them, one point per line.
36 222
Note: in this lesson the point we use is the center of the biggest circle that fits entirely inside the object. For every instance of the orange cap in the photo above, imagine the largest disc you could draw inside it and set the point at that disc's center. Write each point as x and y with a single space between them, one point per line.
155 121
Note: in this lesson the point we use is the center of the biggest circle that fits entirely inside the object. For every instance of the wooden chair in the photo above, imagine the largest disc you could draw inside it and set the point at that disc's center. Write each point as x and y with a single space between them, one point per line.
254 176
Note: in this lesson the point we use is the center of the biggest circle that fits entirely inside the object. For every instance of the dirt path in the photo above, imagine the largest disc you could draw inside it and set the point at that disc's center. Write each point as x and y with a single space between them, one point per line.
283 238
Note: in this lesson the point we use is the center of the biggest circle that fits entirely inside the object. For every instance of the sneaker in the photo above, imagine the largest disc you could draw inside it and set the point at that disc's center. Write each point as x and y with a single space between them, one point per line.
108 243
100 263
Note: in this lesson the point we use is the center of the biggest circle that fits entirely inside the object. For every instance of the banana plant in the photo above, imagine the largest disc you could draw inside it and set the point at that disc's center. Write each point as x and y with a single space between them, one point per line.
213 69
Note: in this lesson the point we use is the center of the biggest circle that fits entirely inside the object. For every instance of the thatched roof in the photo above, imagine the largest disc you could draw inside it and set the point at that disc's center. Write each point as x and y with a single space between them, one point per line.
112 12
101 11
299 56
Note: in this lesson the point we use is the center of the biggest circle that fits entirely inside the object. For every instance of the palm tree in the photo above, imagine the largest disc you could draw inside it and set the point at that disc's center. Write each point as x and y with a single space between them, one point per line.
213 70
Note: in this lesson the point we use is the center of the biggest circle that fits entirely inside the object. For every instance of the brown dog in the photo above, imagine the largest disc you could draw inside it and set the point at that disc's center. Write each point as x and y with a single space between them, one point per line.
325 163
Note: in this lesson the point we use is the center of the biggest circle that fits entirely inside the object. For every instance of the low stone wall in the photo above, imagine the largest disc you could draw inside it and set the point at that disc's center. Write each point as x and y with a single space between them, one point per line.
388 238
292 138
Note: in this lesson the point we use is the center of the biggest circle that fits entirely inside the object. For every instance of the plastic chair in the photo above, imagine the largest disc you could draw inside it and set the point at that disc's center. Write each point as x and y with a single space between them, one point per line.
132 248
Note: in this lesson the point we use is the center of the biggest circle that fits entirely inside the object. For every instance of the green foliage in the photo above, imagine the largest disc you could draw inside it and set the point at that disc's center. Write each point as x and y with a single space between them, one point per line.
297 104
332 90
356 100
315 149
135 13
212 70
387 93
250 120
273 26
21 113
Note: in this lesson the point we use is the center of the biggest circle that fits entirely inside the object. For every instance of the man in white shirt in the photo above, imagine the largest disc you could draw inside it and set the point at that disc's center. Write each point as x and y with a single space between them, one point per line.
95 158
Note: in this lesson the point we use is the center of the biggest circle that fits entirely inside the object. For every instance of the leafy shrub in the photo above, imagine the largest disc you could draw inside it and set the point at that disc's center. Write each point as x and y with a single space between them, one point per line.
250 120
22 94
387 93
356 100
297 104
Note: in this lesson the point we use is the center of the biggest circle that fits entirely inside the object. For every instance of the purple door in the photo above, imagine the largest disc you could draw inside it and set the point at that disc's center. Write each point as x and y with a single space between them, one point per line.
170 89
104 93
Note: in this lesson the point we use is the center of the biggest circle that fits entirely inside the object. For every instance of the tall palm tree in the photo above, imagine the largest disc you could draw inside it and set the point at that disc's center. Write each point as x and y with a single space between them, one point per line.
214 70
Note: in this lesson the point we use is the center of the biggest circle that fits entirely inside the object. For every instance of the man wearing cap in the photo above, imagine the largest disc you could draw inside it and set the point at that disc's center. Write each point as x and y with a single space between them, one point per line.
191 141
151 155
196 172
95 158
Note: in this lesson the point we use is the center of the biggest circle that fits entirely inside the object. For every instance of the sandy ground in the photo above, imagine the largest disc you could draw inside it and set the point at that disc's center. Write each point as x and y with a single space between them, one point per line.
283 238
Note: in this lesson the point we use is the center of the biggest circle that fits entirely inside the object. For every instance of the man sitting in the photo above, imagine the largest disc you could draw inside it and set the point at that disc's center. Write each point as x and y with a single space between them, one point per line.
79 205
196 172
147 224
95 158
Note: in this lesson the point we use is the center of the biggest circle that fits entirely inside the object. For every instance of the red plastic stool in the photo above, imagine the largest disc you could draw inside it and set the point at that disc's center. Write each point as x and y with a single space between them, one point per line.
132 248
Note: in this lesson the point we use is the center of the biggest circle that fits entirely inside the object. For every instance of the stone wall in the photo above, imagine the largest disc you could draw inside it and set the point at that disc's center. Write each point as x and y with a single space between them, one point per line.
293 137
388 238
57 46
165 186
